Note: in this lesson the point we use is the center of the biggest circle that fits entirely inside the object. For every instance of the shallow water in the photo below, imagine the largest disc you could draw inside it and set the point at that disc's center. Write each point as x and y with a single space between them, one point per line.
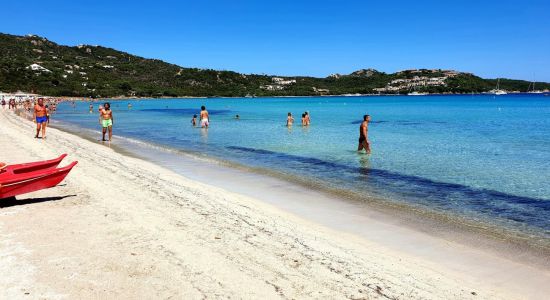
481 157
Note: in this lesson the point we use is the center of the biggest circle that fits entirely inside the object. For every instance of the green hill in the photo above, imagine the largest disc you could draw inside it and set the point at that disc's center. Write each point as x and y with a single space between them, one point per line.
33 63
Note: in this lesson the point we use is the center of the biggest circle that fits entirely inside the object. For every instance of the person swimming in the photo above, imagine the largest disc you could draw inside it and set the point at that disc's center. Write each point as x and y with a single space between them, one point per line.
289 120
204 117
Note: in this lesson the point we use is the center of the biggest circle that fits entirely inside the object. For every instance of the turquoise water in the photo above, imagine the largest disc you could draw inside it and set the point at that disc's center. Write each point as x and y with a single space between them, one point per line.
480 156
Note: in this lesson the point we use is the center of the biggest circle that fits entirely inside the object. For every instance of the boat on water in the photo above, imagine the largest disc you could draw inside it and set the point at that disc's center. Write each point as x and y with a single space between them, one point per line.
415 93
497 91
531 89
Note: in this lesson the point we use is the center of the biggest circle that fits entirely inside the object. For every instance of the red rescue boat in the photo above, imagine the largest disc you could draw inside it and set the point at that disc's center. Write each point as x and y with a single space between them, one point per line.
16 184
31 167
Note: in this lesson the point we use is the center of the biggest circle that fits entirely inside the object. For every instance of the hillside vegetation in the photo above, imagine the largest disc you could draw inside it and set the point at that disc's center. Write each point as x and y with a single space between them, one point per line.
35 64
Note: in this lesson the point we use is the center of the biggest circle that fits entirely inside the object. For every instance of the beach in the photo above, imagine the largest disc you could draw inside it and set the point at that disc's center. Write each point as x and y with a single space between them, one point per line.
123 227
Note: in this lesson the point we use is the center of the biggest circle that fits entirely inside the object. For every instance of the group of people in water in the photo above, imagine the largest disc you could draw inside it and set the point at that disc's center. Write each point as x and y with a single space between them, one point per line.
204 121
364 143
305 119
41 116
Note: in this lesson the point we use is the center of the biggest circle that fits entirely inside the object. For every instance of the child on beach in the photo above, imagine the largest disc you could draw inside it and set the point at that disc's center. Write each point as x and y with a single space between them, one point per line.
194 120
289 120
48 114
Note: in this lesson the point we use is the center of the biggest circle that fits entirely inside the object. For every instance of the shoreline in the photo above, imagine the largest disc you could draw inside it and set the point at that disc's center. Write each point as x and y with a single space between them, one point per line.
519 246
240 246
124 98
530 248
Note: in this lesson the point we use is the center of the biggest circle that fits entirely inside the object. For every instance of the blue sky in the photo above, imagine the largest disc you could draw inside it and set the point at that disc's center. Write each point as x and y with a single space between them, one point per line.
489 38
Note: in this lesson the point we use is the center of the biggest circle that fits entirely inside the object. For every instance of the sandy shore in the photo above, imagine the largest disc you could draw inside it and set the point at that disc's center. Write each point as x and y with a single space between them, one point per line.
121 227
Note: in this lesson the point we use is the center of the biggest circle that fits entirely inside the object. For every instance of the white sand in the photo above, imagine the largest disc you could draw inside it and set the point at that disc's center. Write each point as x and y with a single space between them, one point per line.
120 227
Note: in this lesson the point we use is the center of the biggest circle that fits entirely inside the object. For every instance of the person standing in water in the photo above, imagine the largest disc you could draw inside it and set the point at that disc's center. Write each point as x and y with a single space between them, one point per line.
289 120
204 117
194 120
40 117
307 118
363 135
107 120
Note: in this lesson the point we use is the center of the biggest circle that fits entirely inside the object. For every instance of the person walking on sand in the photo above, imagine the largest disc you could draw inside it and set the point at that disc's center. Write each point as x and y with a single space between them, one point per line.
40 117
289 120
107 120
204 117
363 135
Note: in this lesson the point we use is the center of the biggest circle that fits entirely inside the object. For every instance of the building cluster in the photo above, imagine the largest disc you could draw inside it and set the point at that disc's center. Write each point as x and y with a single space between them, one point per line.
417 81
278 84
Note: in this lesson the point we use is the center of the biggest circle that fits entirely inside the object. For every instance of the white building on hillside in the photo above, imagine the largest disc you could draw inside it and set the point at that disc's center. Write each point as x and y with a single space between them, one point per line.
37 67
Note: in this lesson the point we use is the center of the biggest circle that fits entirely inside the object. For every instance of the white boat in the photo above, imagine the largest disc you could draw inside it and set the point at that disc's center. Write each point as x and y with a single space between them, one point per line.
497 90
417 94
533 91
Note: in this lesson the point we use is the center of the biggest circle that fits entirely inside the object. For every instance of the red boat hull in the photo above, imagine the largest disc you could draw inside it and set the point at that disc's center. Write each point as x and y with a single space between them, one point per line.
14 185
32 167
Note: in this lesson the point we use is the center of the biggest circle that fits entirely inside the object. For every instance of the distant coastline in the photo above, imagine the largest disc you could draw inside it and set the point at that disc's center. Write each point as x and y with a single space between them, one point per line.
124 98
35 64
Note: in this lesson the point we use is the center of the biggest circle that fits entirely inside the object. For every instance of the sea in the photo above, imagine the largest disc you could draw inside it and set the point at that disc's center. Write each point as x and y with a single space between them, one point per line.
481 158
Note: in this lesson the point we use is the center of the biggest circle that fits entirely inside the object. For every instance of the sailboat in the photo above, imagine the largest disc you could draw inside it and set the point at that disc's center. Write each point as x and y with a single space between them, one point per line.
497 90
533 91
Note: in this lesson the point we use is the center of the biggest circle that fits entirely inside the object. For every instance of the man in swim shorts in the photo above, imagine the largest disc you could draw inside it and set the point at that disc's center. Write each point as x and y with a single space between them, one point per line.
106 118
363 135
204 117
40 117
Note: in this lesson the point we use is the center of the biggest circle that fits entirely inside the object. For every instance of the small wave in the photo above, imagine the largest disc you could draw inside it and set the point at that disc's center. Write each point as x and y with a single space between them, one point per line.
186 111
